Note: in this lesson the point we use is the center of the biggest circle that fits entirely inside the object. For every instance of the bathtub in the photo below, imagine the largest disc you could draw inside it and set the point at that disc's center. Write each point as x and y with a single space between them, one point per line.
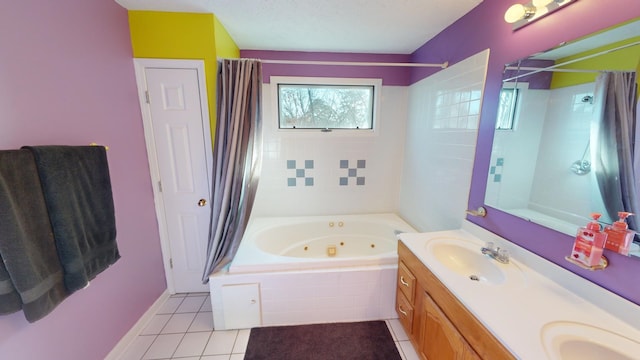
301 243
300 270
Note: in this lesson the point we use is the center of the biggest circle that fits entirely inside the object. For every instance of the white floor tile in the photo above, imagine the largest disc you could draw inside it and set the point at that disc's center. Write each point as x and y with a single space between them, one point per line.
156 324
163 346
237 357
398 331
202 322
206 306
138 347
192 344
171 305
216 357
400 351
191 304
409 352
179 323
242 340
221 342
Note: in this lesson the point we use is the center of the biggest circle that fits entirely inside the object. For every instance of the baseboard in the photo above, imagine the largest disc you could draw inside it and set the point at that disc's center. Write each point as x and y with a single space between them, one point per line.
122 345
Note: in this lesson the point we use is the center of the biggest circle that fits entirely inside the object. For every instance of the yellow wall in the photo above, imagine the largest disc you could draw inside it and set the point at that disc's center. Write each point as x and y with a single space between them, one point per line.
170 35
225 46
625 59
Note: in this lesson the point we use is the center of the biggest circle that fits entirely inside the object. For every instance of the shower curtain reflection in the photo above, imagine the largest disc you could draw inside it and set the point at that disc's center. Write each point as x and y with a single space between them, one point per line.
614 127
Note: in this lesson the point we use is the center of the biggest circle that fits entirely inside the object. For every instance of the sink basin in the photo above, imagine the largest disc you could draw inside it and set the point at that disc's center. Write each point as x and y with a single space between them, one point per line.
464 258
569 340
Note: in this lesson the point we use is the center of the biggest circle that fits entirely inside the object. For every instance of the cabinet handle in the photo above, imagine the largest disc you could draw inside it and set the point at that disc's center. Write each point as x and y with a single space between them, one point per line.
402 311
403 282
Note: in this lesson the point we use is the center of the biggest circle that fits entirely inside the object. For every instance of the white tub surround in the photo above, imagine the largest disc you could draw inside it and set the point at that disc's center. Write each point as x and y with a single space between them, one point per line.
530 305
273 280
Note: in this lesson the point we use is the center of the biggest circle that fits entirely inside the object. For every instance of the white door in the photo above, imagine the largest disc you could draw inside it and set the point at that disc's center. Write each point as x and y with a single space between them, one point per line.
173 97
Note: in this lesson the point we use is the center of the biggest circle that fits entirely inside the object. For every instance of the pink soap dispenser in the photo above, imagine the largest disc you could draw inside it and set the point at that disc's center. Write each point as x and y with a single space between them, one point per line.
619 237
587 248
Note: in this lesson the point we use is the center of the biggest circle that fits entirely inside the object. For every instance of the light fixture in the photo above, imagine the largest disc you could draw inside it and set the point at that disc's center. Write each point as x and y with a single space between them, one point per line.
522 14
540 3
518 12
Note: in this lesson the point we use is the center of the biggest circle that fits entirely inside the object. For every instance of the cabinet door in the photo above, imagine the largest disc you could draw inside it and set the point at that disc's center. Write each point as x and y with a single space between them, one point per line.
440 339
405 312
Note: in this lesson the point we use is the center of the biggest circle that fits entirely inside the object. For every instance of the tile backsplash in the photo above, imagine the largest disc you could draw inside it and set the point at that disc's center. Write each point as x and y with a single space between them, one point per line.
306 172
300 175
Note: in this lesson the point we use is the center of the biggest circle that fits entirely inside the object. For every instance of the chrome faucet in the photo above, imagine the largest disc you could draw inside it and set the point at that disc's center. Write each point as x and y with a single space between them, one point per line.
500 255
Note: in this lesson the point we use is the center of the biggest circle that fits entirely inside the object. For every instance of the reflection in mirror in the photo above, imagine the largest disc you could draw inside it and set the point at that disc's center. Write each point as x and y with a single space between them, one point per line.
563 147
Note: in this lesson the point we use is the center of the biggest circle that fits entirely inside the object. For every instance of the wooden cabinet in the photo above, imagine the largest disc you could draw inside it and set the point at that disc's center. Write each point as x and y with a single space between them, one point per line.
405 296
438 325
440 339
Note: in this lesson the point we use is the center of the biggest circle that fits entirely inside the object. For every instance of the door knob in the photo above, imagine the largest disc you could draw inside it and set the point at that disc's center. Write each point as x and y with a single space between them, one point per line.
202 202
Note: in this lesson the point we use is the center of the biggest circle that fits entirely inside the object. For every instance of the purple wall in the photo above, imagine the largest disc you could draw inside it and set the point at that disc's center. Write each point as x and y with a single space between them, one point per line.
540 80
66 77
485 28
389 75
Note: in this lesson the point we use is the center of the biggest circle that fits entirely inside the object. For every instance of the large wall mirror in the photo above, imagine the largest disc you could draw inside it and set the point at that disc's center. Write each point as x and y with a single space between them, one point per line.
553 162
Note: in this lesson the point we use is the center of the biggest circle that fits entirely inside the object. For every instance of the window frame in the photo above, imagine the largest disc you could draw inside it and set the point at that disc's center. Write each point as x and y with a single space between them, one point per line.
519 88
275 81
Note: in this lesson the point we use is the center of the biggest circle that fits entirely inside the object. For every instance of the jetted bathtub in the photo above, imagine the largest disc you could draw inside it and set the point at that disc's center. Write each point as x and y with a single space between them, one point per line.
320 242
300 270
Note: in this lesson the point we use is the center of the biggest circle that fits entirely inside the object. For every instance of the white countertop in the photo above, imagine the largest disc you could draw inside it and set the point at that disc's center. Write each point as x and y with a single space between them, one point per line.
536 293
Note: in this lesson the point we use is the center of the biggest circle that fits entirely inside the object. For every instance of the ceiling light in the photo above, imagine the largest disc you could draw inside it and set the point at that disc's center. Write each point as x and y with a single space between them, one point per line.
518 12
541 3
522 14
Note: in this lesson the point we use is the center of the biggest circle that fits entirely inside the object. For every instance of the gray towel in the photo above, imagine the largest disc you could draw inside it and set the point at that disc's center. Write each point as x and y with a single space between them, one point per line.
26 243
77 191
9 298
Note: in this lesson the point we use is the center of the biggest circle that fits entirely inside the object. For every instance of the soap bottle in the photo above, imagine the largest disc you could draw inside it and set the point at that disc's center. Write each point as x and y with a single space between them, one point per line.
587 248
619 237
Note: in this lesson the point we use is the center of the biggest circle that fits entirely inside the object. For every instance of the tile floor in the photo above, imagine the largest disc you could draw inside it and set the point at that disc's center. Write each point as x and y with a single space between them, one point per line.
183 329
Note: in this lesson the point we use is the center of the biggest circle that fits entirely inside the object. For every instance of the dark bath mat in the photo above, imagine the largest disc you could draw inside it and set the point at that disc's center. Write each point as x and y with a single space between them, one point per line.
368 340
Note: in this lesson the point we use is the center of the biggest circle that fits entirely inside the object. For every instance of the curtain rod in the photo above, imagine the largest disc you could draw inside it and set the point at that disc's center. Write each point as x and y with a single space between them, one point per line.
443 65
552 67
551 70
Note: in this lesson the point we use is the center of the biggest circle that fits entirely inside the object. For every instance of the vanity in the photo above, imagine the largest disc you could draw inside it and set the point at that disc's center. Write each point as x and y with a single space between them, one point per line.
454 302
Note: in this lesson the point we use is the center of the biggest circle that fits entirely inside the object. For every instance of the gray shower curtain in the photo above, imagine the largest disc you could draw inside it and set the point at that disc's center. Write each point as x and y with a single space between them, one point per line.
613 134
236 158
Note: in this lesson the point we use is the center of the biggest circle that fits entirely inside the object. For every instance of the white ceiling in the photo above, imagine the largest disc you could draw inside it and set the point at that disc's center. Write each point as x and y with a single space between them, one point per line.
363 26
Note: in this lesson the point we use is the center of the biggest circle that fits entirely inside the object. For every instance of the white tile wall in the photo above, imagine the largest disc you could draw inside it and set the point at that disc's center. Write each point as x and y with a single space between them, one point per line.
517 149
442 128
382 152
539 153
565 136
338 295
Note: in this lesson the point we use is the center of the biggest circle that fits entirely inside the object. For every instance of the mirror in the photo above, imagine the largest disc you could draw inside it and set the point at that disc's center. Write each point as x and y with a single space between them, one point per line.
543 159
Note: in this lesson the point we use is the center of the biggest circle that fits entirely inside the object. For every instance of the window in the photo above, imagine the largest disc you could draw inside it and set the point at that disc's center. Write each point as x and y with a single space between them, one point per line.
507 109
326 104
